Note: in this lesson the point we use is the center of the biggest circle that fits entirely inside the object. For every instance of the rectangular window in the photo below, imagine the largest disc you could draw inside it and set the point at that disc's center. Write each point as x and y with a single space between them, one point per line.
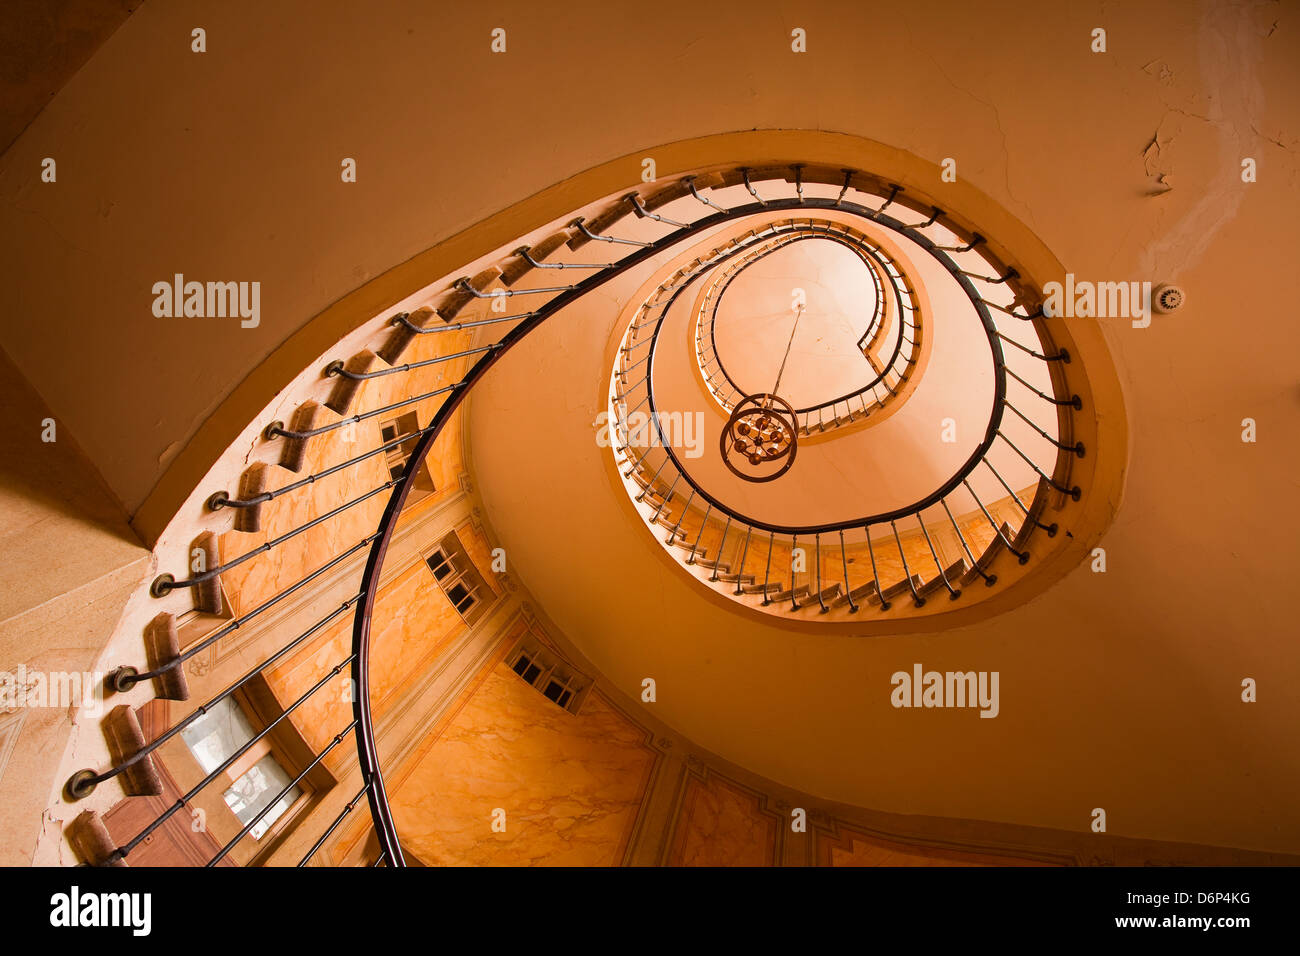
395 458
215 736
253 792
526 669
255 777
455 573
542 668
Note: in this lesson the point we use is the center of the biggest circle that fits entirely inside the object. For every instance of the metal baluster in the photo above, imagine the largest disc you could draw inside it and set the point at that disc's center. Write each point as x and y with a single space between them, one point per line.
844 563
907 572
703 523
818 549
1062 355
1077 448
744 553
1051 529
953 594
884 603
277 429
794 546
721 548
685 508
1022 556
768 569
690 183
402 320
668 497
337 368
334 826
1074 492
580 225
1074 402
989 579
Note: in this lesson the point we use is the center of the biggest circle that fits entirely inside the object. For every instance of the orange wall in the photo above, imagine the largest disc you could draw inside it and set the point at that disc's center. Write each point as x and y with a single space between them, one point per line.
721 824
570 785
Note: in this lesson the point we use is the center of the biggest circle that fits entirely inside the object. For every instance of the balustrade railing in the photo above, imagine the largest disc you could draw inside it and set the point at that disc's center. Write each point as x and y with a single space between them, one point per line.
889 371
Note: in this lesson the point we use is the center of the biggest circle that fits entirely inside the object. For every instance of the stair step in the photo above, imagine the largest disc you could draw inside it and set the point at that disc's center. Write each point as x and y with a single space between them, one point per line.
789 593
654 501
650 493
644 483
759 588
736 578
89 836
863 594
346 388
989 556
125 740
252 483
688 547
900 588
162 651
207 595
972 576
826 597
953 573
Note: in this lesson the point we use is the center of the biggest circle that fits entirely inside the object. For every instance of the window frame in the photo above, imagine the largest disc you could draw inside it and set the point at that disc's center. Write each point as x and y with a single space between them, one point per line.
462 572
552 668
397 457
273 744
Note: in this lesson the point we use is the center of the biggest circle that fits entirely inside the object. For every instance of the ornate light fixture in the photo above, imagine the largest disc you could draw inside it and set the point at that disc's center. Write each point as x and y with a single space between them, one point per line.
762 429
759 432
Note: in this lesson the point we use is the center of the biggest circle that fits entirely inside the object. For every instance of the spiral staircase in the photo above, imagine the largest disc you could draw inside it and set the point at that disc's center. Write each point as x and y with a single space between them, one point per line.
300 545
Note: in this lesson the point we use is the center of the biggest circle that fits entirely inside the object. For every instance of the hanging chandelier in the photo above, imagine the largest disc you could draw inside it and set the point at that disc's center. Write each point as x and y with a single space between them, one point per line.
762 430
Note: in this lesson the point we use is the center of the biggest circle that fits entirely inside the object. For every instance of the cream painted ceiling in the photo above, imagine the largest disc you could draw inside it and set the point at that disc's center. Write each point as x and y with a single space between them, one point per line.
755 324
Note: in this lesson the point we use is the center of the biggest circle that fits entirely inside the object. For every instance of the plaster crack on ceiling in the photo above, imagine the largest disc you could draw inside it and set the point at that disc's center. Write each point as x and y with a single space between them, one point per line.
1276 142
1161 71
1002 133
1158 183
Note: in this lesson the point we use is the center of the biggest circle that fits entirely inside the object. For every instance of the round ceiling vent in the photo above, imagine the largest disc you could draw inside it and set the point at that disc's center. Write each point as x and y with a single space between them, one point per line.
1167 298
